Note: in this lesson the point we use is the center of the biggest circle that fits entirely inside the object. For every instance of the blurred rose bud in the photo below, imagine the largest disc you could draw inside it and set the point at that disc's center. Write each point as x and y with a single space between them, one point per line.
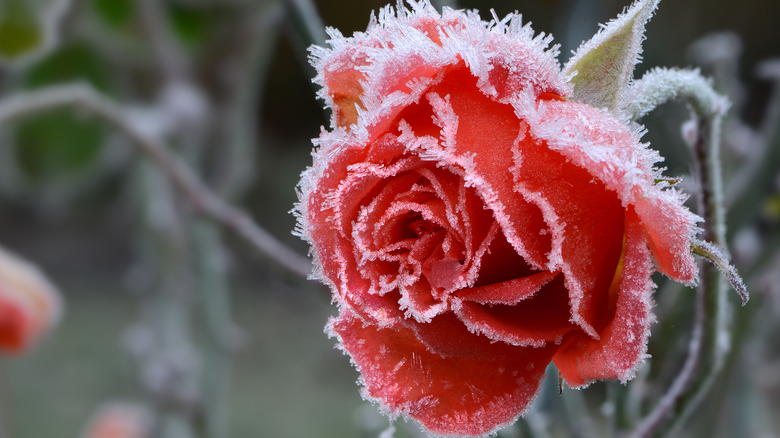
120 420
29 304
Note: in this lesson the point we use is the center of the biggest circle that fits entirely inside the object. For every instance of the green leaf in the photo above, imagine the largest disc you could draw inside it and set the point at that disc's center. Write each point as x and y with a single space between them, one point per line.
75 62
21 31
57 143
117 13
190 24
61 142
604 65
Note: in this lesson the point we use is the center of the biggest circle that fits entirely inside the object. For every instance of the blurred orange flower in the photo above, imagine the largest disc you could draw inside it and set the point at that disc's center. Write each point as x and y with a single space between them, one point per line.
119 420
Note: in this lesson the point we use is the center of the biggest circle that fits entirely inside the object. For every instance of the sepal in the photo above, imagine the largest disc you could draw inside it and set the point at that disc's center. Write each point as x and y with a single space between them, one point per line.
603 66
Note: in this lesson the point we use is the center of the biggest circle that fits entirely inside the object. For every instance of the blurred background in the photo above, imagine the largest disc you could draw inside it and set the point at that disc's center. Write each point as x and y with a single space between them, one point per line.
226 84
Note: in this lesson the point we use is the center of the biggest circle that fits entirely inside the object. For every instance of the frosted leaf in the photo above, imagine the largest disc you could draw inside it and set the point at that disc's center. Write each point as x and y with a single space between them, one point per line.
604 65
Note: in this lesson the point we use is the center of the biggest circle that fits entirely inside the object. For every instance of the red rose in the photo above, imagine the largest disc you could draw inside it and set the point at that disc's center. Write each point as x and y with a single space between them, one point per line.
475 224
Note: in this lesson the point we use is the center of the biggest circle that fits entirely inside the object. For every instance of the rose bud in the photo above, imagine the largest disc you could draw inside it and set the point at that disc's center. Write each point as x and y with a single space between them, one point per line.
475 223
29 304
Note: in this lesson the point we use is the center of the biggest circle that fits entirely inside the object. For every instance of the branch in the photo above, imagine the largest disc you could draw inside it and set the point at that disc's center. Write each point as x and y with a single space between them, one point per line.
203 200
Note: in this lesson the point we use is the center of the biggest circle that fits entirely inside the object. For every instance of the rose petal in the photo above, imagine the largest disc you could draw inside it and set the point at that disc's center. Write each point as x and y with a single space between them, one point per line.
607 148
587 223
448 395
502 263
484 128
623 342
507 292
16 329
448 336
535 321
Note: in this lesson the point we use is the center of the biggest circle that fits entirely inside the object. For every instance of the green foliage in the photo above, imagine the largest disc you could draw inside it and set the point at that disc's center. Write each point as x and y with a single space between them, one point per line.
21 31
72 62
117 13
61 142
41 150
191 25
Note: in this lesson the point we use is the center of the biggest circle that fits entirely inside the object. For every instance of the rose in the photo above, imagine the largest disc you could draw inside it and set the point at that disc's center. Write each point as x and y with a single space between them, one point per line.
475 224
29 304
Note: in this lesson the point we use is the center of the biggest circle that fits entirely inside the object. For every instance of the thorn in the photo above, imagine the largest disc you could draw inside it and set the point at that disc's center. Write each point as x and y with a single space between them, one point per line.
560 385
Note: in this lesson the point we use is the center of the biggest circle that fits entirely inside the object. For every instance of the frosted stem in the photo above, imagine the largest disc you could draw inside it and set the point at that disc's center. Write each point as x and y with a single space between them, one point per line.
307 21
203 200
439 4
235 170
660 85
710 342
168 309
168 56
220 331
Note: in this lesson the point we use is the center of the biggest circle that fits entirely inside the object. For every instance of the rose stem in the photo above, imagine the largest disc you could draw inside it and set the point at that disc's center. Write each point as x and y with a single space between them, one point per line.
439 4
308 24
710 341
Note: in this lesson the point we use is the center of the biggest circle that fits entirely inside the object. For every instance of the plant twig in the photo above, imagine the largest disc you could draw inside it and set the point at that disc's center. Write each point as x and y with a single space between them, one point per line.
220 342
203 200
168 56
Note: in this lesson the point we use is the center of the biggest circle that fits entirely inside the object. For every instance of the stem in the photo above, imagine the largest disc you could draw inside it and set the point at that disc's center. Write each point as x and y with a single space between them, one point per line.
215 298
439 4
684 379
660 85
203 200
710 341
234 171
169 371
307 21
168 56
